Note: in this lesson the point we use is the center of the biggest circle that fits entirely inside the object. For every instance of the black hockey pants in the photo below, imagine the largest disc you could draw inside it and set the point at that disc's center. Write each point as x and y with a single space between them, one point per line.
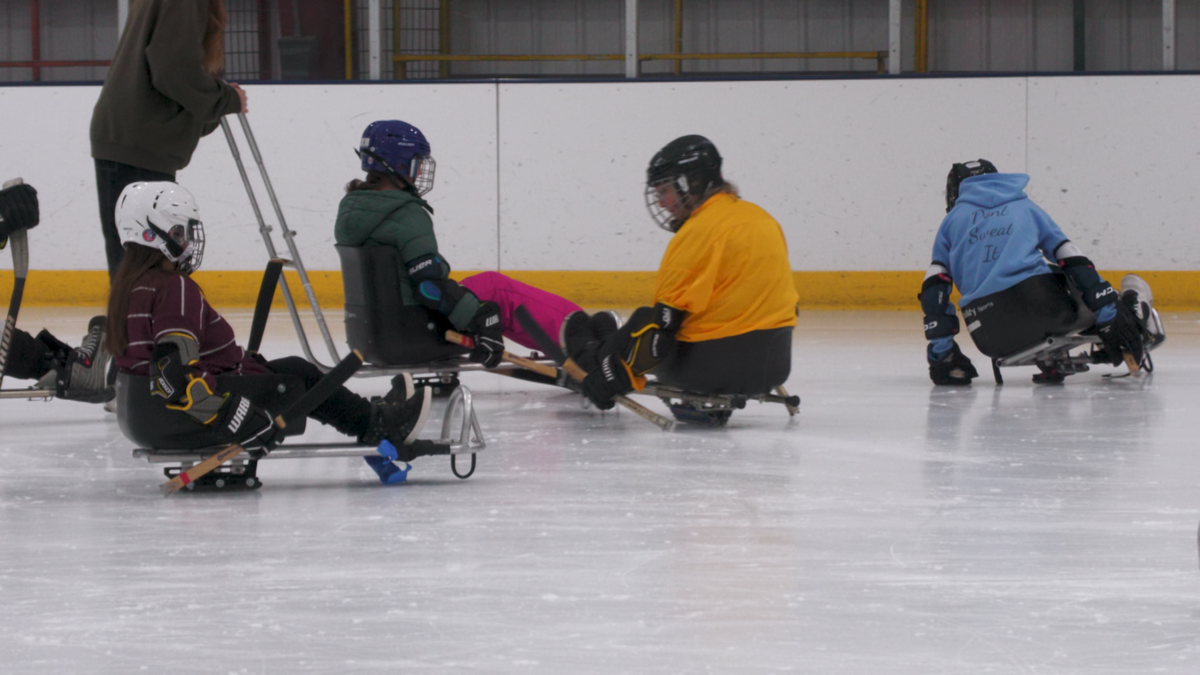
1025 314
751 363
345 410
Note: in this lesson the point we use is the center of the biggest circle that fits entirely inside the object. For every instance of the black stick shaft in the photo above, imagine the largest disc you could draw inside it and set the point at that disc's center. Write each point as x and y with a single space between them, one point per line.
262 308
323 389
20 251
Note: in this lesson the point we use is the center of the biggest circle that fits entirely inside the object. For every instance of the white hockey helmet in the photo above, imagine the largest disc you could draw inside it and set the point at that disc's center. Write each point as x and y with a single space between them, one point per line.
164 216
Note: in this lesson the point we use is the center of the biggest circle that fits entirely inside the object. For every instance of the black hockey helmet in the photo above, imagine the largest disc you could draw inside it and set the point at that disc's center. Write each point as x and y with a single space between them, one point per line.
961 172
679 178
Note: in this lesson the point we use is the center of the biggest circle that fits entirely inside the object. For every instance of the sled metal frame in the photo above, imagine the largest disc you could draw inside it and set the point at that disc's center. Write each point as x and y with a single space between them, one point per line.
1052 352
463 436
29 394
721 402
446 367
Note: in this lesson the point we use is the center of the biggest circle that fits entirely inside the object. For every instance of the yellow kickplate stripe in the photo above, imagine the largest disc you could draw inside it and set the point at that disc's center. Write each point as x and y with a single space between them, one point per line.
1173 291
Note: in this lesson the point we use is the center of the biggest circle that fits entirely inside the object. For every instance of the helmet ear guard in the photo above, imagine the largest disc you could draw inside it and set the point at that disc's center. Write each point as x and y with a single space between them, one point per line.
959 173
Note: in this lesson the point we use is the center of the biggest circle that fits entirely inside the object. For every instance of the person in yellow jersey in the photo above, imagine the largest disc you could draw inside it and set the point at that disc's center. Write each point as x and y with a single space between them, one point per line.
724 300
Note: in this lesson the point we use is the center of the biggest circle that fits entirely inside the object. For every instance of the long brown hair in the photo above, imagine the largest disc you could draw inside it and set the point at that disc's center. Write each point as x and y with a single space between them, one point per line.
214 45
137 261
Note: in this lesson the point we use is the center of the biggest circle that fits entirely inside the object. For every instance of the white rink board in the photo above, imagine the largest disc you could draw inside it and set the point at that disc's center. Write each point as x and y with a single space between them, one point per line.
307 135
836 162
548 176
1117 163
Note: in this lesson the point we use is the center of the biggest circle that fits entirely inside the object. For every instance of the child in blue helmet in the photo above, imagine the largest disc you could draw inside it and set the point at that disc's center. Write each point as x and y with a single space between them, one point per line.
997 246
386 208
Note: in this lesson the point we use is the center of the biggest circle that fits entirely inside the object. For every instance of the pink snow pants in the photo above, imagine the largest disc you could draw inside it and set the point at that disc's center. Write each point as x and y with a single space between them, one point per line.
548 309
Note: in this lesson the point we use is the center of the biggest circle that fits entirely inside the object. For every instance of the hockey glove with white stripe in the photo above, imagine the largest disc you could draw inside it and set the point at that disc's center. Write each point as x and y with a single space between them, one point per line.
611 378
486 329
240 421
951 368
1122 334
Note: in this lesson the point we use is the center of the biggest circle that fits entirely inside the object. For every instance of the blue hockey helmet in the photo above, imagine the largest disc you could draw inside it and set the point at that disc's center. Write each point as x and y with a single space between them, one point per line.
961 172
400 149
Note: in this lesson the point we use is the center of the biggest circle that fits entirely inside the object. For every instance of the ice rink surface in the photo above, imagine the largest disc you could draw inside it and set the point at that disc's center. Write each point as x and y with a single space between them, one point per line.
893 527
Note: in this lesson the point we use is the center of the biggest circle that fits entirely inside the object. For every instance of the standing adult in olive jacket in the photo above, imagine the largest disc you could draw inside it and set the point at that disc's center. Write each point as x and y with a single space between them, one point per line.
161 95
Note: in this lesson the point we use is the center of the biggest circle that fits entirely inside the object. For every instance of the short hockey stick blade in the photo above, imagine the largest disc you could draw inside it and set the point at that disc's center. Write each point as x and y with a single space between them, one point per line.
527 364
792 403
1134 370
547 345
312 398
262 308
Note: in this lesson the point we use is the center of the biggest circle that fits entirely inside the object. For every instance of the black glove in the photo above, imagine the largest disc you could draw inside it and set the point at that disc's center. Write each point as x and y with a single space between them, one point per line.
18 209
953 368
609 379
488 334
1122 334
240 421
169 377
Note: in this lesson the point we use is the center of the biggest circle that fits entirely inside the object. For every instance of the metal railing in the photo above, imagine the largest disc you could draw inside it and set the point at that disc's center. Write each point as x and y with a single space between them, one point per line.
880 57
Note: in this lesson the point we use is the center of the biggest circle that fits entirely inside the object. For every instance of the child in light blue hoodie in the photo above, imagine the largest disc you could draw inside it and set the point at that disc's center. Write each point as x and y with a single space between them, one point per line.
998 247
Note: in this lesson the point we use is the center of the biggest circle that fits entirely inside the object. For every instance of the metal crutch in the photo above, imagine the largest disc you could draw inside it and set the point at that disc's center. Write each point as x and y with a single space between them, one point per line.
288 236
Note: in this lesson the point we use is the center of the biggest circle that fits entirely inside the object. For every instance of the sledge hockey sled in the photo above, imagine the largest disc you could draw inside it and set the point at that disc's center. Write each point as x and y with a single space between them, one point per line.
392 337
170 438
1054 295
19 241
714 410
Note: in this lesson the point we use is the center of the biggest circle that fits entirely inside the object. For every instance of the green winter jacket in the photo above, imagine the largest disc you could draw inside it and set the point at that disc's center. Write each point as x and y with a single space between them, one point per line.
399 219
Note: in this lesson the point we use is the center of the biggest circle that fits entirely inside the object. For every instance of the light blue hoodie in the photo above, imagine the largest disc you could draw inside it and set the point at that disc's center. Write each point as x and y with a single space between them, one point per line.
995 236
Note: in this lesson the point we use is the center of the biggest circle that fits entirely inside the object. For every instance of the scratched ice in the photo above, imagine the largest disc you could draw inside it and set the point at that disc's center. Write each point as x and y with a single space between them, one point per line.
891 528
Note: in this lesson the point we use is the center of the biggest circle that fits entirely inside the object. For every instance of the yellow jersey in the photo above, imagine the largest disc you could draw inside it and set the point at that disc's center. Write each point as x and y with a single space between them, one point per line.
728 268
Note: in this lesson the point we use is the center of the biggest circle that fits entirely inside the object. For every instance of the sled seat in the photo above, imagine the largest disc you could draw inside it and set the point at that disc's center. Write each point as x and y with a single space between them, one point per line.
383 321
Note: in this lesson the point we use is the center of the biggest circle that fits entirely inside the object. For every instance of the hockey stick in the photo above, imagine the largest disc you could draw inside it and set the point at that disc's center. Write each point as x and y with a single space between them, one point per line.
527 364
792 408
20 254
312 398
574 370
262 309
1134 369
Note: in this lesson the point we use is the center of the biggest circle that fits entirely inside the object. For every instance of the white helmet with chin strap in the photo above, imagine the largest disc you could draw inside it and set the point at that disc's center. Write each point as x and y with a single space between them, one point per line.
164 216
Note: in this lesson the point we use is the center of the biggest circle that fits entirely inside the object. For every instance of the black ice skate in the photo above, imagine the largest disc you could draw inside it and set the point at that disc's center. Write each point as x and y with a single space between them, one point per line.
83 374
400 423
1135 293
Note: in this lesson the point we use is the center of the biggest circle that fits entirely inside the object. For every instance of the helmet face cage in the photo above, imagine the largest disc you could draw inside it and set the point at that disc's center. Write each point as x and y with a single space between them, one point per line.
669 202
421 171
193 233
959 173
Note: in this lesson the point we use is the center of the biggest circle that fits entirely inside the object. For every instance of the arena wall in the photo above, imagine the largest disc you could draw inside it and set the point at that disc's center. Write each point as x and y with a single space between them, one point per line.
545 180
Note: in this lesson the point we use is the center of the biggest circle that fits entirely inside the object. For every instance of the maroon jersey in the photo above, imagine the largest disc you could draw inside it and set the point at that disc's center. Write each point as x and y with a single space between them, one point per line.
163 302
